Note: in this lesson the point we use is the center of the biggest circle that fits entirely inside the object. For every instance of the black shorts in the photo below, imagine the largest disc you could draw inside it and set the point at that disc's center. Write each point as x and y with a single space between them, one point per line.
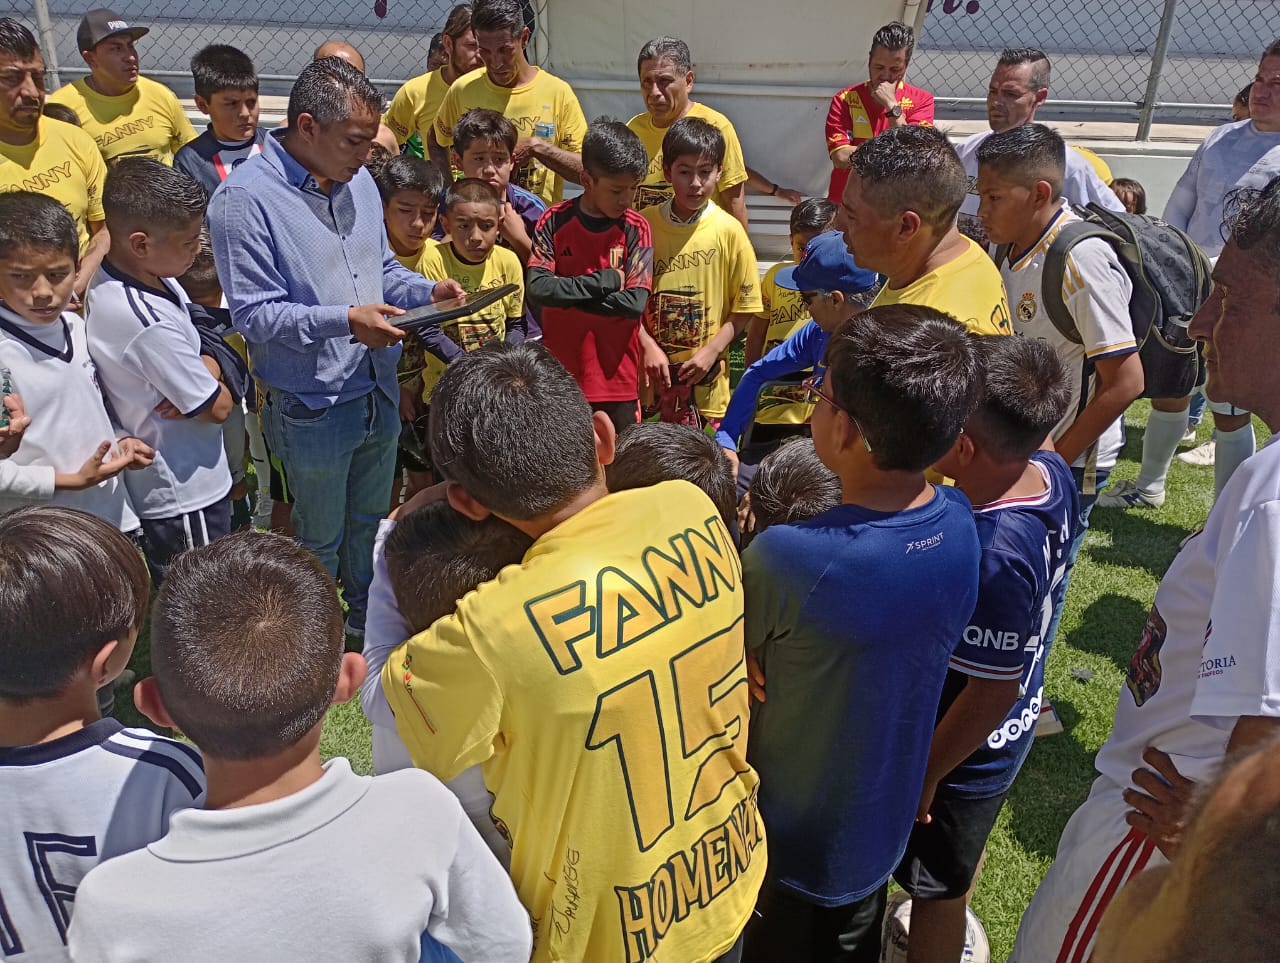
621 413
164 539
943 854
413 448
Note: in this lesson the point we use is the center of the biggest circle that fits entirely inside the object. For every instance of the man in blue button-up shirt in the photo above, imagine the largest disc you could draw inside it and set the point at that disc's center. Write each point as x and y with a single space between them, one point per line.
303 257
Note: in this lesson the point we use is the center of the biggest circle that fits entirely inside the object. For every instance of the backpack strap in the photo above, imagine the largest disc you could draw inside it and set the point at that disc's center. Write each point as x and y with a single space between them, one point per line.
1055 266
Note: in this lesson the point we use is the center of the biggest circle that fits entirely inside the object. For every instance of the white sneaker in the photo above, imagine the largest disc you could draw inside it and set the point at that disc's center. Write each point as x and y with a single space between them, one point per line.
1190 437
897 929
1126 494
1201 457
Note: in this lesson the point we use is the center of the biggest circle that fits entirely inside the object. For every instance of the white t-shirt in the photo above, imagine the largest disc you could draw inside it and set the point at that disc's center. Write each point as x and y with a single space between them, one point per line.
1224 157
349 868
1080 184
147 351
1096 290
49 366
68 804
1210 651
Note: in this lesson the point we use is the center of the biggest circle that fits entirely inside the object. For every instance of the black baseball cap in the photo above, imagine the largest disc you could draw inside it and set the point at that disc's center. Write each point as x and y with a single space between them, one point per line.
97 25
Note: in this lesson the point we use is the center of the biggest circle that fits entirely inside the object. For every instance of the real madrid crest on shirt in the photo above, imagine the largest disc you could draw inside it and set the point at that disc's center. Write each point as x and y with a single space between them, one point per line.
1027 307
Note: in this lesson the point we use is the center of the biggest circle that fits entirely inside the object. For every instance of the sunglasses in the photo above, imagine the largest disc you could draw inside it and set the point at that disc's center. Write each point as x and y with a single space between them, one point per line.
808 297
813 385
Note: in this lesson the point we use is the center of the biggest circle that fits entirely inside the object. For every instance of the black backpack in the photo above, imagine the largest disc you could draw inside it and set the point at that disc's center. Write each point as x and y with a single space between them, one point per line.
1170 276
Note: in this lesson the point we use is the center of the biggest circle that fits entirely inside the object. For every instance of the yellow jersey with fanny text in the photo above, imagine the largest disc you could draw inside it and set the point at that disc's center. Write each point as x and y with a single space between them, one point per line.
146 121
545 107
63 162
786 314
602 684
655 188
703 271
439 262
968 288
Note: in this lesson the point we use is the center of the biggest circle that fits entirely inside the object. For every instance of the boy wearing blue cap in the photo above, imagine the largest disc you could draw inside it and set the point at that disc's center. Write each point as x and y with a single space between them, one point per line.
833 289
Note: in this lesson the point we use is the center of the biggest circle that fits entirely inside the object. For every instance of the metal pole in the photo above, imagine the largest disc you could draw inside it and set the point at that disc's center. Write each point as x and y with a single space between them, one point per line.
48 45
1157 66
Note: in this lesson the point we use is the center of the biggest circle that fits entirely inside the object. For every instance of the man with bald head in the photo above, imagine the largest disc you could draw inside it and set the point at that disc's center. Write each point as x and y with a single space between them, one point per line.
1204 680
342 50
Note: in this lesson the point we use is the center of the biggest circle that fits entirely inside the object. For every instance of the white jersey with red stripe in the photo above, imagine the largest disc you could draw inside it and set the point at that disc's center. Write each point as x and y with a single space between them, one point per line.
1209 654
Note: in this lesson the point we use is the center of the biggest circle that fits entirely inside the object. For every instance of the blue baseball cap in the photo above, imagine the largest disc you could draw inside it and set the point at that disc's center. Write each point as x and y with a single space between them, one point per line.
826 265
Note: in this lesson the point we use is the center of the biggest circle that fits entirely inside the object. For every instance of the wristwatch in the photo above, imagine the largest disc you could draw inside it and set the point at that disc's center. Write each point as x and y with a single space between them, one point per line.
895 111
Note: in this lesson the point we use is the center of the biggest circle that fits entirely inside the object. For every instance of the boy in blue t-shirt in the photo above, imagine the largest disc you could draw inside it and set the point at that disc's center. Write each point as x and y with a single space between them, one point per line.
853 616
1025 503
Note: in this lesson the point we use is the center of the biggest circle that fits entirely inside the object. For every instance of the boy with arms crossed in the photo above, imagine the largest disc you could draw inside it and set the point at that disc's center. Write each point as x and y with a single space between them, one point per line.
1025 505
160 386
627 613
858 679
75 788
591 272
706 284
248 677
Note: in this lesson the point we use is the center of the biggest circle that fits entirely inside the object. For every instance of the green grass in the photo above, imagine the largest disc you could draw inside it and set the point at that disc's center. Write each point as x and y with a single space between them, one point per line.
1112 586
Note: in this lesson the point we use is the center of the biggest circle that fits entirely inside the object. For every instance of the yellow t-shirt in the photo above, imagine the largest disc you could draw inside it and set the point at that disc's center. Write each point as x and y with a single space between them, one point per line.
702 273
545 100
414 107
786 314
968 288
146 121
602 683
62 162
439 263
655 188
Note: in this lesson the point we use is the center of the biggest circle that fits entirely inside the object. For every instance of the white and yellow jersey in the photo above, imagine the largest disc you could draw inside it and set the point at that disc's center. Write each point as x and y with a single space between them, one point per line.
602 684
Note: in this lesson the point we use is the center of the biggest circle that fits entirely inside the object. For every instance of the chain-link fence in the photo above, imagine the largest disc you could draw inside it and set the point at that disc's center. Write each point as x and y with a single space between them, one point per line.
1183 58
1186 59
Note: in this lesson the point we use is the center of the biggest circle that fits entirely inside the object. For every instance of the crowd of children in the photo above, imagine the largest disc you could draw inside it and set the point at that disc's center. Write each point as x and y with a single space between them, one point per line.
658 665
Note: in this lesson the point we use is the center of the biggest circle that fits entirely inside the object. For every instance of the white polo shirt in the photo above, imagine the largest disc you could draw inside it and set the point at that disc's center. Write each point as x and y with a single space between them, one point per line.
48 365
147 352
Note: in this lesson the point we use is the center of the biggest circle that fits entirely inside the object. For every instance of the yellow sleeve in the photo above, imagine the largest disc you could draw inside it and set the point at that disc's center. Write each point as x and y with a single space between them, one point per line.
743 277
734 170
402 114
571 125
446 117
183 132
431 265
446 702
513 273
95 174
767 287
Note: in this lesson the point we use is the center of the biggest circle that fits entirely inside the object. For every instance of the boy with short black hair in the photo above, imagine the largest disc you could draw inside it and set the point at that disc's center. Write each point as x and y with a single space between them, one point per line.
411 189
75 789
1020 174
1025 503
69 454
227 91
591 271
159 385
659 625
248 676
484 145
706 286
655 451
791 485
855 675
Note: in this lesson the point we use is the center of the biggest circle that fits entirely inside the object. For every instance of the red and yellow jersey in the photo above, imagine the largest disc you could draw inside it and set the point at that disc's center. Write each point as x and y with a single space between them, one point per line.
702 273
602 684
855 117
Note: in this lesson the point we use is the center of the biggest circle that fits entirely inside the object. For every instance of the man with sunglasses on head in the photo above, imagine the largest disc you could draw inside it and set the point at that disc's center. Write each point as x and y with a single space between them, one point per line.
45 155
833 289
852 617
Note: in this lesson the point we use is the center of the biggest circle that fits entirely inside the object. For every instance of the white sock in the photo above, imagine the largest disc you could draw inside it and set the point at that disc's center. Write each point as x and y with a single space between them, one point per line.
1164 430
1233 448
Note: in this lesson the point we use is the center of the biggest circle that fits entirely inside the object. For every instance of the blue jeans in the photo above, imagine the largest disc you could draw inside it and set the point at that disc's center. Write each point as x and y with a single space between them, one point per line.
1082 526
340 462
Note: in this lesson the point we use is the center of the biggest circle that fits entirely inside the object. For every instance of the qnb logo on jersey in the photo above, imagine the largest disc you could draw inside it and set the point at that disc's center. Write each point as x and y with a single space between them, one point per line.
924 544
1017 726
1216 666
992 639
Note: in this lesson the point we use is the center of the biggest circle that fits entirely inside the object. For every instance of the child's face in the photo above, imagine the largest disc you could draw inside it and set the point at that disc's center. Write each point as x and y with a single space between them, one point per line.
798 242
473 228
610 194
233 113
1005 208
169 254
36 283
489 160
693 180
410 218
